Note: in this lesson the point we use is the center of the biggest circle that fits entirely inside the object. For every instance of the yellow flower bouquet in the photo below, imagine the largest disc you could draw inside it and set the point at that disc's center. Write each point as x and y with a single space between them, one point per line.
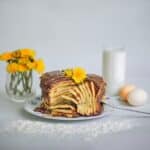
20 66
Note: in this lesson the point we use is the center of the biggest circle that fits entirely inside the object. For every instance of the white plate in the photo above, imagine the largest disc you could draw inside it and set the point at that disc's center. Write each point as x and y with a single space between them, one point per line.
31 105
118 104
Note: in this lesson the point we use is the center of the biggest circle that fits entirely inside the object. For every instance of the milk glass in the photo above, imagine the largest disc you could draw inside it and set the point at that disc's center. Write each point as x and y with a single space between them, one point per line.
114 69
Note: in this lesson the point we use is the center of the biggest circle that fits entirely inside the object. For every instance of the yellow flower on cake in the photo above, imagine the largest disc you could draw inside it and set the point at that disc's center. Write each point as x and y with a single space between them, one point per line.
6 56
68 72
79 74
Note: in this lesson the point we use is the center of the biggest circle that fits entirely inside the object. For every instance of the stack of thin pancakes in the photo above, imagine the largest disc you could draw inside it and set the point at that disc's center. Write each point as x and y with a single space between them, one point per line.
61 96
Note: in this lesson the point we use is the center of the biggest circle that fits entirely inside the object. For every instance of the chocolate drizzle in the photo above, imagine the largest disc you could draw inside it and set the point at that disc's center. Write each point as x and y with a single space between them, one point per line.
50 79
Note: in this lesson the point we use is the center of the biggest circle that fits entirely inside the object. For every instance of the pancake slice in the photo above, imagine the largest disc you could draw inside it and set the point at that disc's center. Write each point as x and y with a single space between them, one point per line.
61 96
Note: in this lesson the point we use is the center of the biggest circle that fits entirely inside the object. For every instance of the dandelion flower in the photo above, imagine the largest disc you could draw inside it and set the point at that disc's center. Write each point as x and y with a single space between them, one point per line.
40 66
68 72
79 74
6 56
26 52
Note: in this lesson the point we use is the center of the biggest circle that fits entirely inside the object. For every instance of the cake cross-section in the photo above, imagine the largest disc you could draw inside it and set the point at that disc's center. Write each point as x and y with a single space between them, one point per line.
62 96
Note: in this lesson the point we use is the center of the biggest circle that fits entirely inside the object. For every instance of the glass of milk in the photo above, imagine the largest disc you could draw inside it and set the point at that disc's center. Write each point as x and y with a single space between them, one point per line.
114 69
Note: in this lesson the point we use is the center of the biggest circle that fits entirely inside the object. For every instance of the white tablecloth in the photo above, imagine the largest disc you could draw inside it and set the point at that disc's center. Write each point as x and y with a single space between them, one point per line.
120 130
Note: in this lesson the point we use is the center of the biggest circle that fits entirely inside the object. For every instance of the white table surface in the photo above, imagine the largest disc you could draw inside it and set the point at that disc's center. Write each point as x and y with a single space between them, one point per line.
135 136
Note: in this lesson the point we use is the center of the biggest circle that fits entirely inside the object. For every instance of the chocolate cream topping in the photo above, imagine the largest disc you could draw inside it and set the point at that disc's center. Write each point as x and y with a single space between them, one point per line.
49 79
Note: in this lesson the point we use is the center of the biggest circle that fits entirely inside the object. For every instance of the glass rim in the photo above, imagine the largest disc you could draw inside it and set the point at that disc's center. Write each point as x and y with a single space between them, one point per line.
114 50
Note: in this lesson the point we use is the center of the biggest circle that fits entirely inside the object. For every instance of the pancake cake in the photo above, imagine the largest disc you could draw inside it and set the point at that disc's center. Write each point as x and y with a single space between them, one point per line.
71 93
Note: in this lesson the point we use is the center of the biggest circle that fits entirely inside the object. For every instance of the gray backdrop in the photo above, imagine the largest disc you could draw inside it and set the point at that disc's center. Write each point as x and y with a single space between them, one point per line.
69 33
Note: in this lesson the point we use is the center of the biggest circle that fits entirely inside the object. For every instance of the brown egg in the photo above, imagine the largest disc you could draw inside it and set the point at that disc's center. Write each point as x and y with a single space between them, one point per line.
125 90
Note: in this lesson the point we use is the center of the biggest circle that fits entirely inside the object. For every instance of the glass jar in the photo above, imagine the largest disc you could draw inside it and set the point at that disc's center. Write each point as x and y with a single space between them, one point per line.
114 69
19 86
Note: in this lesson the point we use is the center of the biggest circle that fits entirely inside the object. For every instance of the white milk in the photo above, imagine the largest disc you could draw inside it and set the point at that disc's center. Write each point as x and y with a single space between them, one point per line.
114 68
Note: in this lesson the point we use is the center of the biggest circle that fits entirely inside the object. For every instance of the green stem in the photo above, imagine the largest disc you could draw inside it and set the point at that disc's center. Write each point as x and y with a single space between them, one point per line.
26 80
21 82
11 81
15 91
30 81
